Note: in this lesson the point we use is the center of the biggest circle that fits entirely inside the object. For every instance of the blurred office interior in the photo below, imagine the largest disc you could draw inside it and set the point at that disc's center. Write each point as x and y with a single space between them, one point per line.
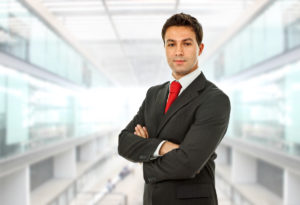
74 72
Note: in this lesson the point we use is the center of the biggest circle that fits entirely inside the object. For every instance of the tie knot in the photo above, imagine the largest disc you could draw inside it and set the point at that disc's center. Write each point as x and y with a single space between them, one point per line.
175 87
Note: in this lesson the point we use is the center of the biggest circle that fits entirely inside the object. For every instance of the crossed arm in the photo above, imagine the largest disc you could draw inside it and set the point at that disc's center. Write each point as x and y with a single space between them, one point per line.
197 147
134 142
165 148
177 162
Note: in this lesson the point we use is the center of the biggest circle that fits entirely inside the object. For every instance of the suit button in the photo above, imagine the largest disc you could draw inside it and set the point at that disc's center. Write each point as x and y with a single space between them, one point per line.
151 179
142 157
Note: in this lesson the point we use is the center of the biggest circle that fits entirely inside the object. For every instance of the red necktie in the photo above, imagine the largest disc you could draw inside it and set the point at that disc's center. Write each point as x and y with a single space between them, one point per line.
174 91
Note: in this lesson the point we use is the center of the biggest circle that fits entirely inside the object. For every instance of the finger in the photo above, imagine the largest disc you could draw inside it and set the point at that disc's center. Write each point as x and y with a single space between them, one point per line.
138 131
141 130
146 132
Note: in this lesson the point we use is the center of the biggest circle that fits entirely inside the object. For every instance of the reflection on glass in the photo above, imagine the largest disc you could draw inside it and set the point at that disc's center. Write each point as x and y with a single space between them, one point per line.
25 36
275 31
265 110
35 113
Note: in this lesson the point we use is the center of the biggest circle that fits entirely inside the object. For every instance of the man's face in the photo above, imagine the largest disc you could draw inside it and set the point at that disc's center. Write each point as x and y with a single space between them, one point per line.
182 50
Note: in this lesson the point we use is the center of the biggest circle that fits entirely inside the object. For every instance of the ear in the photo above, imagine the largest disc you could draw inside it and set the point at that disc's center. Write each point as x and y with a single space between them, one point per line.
201 47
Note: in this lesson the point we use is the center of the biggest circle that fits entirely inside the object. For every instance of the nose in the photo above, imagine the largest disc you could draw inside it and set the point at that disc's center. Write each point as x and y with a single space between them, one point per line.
179 50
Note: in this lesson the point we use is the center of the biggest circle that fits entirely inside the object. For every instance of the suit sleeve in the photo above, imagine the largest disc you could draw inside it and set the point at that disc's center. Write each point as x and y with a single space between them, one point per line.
200 142
133 147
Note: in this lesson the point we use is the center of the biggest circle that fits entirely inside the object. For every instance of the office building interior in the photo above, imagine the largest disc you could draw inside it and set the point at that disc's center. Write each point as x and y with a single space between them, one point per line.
73 73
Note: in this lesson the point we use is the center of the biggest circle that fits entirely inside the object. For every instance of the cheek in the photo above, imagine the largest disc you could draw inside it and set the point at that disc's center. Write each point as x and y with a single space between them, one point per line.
169 55
170 60
190 51
195 54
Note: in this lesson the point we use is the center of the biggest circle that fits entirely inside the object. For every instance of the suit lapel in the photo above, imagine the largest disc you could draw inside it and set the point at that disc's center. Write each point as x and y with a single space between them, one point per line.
186 96
161 103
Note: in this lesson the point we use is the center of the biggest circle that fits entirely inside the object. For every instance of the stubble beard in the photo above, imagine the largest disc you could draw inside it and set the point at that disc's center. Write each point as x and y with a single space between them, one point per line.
184 72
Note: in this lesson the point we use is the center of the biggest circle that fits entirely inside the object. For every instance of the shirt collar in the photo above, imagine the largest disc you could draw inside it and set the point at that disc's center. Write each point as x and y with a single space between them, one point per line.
186 80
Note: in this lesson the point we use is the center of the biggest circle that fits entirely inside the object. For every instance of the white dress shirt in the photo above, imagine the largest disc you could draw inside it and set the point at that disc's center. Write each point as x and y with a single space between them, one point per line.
184 81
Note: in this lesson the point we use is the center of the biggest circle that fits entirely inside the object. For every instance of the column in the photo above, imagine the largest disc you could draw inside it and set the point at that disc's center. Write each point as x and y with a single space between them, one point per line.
222 155
88 151
244 168
291 188
15 188
65 164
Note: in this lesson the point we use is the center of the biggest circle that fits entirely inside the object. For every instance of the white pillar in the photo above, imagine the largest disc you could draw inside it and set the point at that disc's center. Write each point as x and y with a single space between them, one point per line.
244 168
291 188
102 143
15 188
222 155
88 151
65 164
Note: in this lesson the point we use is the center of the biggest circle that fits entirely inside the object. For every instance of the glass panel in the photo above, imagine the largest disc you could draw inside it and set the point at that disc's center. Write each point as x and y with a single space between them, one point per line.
265 110
25 36
4 34
2 112
34 113
3 14
37 46
51 63
273 32
258 37
292 117
291 21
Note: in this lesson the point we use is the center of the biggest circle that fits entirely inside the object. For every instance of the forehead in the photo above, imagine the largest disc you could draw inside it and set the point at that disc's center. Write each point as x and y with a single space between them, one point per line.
180 32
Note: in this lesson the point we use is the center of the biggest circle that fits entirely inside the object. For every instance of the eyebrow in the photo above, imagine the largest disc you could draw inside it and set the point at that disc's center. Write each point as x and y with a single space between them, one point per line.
186 39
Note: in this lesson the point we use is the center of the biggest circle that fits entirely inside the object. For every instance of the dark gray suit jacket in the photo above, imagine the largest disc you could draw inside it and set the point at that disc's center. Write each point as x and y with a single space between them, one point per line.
197 121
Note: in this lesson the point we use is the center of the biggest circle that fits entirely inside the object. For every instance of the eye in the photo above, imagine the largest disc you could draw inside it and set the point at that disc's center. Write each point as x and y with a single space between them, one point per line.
170 44
187 44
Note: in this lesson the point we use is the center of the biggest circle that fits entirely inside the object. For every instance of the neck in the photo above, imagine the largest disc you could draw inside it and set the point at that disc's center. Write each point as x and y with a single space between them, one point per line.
177 76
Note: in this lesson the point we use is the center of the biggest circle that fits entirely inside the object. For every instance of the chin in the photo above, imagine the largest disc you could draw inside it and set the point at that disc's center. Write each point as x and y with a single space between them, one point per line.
181 73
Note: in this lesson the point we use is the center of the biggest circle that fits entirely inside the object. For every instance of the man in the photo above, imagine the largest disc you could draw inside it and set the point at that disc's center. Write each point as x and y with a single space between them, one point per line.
179 124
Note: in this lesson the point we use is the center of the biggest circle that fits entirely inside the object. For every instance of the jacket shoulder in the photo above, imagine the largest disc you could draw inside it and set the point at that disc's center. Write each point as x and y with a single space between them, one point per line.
214 91
156 88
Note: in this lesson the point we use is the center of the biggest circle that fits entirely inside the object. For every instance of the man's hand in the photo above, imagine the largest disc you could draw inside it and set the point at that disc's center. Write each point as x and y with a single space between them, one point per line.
167 147
141 131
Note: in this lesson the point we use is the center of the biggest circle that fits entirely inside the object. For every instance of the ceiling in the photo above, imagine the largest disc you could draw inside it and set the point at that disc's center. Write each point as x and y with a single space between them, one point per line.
125 35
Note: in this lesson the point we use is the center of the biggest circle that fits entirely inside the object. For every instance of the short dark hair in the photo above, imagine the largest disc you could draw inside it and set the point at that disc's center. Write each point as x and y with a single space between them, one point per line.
183 19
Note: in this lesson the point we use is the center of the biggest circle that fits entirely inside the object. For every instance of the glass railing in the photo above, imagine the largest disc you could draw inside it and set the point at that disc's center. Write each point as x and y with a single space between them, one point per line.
274 31
266 110
264 106
27 37
35 113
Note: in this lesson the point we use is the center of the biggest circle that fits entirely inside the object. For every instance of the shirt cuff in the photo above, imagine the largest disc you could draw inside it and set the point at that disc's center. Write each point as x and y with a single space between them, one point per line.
156 153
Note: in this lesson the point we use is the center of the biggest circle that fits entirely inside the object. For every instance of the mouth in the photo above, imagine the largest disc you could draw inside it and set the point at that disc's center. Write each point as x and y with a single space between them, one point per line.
179 61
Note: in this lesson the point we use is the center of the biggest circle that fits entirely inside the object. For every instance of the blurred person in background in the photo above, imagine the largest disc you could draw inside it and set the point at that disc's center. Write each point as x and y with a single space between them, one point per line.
179 124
